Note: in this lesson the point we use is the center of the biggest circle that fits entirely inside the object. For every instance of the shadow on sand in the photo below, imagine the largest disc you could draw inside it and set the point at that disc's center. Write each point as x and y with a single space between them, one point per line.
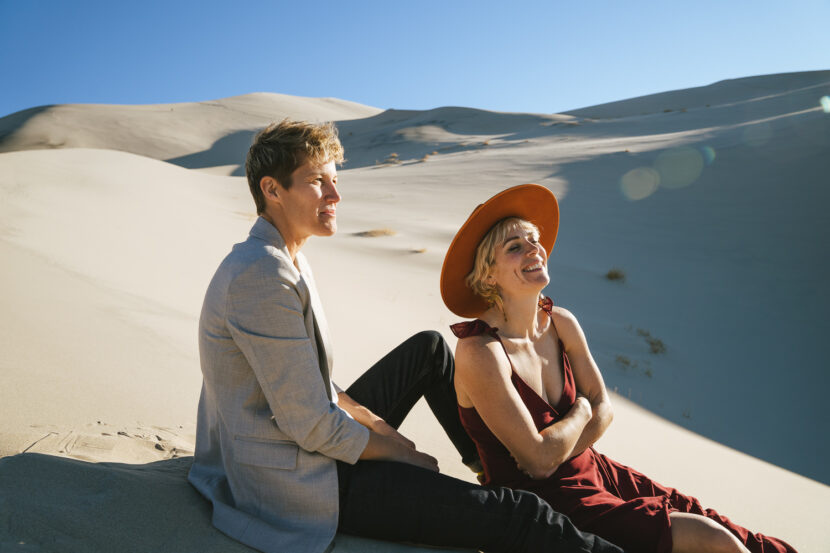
52 503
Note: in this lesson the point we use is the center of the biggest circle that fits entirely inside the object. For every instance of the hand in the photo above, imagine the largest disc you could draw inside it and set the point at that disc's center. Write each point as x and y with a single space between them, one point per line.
385 429
423 460
408 453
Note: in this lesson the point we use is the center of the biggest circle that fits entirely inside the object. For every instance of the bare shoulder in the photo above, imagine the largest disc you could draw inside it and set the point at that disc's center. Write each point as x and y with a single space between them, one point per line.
480 355
563 317
567 327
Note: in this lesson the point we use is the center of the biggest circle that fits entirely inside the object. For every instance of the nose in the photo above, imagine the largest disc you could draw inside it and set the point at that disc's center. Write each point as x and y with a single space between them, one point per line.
332 193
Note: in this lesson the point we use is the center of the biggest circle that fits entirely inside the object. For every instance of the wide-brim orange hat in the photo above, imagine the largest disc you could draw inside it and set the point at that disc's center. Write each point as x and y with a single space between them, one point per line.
531 202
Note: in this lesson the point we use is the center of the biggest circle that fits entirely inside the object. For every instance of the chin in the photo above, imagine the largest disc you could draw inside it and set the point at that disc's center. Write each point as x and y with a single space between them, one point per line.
328 230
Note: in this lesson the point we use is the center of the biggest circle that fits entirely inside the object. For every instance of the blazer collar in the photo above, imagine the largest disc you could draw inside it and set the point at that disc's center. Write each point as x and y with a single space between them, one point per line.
264 230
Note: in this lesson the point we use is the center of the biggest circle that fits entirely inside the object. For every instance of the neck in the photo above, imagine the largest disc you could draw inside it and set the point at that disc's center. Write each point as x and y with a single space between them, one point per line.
520 317
293 242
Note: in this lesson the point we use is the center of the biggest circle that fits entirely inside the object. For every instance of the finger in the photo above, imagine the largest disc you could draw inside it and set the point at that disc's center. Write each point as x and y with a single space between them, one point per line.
430 464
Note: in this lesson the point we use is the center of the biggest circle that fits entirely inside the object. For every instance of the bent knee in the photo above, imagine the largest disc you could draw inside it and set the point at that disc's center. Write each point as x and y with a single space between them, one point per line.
430 340
696 533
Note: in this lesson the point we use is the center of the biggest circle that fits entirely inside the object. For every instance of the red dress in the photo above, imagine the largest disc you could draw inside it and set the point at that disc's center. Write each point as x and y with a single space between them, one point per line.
599 495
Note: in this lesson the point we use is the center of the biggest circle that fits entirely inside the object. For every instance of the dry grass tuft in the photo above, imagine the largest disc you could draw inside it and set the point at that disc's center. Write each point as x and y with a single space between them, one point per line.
374 233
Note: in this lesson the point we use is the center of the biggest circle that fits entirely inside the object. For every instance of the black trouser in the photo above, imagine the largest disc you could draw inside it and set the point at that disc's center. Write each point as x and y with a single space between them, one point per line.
402 502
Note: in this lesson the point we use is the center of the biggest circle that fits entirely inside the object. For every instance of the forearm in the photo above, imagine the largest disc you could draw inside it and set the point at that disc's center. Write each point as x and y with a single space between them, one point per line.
358 412
559 440
602 415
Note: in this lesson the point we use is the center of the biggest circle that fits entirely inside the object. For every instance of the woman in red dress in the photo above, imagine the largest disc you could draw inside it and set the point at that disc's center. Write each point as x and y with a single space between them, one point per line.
533 399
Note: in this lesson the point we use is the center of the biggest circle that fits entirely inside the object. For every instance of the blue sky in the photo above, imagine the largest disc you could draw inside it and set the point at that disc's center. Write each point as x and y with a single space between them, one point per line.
530 56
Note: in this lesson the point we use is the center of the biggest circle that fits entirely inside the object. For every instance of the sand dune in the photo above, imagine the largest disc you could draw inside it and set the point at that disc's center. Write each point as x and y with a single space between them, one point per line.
177 132
714 215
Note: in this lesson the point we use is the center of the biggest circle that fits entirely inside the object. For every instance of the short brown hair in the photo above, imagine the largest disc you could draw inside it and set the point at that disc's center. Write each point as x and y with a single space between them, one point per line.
281 147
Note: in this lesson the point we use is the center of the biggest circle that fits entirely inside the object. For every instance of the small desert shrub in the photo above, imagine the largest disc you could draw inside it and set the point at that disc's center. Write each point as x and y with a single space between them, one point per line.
655 345
374 233
615 273
391 159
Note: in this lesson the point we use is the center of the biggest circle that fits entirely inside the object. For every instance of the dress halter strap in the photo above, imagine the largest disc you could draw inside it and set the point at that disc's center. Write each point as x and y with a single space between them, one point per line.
546 304
478 327
465 329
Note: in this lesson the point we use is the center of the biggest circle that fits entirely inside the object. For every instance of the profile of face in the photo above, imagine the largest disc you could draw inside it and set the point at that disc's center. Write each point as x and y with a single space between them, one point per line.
309 205
519 262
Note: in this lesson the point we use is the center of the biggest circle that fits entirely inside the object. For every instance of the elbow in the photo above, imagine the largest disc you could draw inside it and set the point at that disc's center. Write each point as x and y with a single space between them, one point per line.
542 471
604 414
542 467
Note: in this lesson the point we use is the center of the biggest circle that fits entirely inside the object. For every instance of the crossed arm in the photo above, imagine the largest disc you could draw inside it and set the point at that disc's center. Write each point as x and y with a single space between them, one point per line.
483 374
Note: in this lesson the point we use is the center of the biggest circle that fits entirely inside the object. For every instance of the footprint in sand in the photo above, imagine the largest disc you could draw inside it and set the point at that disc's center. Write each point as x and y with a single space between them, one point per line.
101 442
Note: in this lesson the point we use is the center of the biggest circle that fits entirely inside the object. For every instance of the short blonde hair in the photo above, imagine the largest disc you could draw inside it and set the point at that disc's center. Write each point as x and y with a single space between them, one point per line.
281 147
486 257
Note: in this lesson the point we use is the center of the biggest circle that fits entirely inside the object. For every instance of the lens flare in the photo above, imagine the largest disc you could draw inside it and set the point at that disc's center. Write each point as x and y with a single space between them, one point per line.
758 134
679 167
825 103
708 155
639 183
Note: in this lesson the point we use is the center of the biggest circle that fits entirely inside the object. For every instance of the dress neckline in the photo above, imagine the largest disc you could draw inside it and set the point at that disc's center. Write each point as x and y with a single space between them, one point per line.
478 326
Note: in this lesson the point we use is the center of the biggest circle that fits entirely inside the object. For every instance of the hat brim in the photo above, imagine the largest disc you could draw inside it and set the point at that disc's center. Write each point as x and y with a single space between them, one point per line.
531 202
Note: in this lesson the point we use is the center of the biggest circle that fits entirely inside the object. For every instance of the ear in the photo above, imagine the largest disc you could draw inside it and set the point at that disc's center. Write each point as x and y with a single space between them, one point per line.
490 280
269 186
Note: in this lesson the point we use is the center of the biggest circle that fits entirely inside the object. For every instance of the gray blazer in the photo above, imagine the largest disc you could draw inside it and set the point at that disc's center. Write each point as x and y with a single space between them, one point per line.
269 428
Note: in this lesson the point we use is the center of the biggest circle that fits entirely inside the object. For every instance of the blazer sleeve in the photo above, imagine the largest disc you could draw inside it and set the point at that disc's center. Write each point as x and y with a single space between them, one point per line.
265 317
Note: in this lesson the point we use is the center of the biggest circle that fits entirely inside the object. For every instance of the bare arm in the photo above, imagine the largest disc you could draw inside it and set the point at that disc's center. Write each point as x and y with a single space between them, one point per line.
385 442
483 377
589 382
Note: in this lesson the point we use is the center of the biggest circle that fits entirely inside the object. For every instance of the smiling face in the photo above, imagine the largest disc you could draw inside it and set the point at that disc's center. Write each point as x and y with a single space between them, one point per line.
508 260
308 207
519 262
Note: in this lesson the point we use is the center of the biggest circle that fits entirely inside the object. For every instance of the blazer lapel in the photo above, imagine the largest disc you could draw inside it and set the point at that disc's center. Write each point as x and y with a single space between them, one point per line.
321 328
266 231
